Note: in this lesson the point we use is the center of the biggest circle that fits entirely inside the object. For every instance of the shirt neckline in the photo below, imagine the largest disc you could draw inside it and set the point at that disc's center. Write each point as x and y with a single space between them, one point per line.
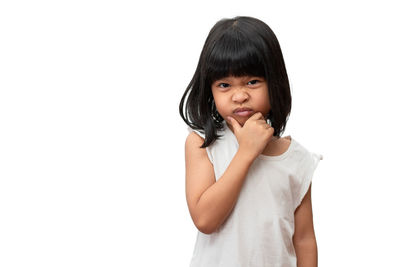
262 156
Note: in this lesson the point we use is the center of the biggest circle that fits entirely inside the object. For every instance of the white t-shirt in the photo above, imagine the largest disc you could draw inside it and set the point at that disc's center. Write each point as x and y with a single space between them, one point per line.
260 228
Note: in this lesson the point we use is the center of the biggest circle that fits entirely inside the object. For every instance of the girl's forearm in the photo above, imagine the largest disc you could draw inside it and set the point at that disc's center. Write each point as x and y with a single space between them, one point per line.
306 253
217 202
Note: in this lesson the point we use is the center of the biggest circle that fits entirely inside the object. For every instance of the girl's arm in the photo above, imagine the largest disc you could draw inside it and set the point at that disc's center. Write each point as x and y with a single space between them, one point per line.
304 240
211 202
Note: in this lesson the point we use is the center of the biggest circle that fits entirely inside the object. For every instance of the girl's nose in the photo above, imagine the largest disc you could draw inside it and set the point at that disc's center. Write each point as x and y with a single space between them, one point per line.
240 96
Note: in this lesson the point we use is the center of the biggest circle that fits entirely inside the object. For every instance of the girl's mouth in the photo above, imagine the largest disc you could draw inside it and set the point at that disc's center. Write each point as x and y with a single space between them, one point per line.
244 113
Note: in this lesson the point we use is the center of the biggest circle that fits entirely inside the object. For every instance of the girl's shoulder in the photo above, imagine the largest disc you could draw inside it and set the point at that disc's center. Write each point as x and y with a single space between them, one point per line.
301 154
195 133
201 133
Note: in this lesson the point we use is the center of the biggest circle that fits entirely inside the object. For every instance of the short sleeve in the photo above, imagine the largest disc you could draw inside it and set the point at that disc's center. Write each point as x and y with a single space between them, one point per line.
208 149
306 172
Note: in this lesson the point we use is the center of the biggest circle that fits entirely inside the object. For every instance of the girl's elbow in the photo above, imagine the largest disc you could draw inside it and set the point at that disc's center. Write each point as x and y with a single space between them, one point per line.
205 227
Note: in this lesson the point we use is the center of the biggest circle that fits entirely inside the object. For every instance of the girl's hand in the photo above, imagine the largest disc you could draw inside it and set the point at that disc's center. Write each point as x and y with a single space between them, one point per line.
254 136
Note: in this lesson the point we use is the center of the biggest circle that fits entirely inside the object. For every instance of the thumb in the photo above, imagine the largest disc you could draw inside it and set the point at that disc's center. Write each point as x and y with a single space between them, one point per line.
236 126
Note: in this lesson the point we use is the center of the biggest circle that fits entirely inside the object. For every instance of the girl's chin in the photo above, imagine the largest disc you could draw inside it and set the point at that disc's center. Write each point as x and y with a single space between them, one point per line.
240 120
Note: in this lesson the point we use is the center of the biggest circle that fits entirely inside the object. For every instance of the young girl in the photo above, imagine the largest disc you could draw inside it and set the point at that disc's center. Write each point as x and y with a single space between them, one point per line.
248 189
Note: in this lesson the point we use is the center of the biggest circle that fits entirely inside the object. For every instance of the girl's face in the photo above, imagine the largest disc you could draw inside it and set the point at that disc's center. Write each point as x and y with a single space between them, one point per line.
247 93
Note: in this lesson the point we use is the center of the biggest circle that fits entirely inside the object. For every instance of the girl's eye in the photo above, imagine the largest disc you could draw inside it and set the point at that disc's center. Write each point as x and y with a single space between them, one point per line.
253 81
221 85
226 85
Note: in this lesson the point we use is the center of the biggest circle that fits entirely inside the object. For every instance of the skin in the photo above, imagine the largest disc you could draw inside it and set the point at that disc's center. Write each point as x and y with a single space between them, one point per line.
234 92
304 240
210 201
251 92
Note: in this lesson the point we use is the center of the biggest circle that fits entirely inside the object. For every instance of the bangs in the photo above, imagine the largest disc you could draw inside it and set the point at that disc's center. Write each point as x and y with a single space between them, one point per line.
234 56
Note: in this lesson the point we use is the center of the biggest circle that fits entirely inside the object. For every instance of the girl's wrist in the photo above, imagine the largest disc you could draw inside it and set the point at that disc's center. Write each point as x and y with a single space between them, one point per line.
245 156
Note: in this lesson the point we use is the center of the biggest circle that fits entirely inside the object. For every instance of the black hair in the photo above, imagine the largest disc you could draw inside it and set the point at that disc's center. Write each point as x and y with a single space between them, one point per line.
236 47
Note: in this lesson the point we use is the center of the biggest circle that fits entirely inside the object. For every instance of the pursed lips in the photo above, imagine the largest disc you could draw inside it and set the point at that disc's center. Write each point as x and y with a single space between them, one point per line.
243 111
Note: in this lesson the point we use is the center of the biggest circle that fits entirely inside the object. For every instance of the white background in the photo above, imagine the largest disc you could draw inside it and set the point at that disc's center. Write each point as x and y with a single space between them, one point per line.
92 144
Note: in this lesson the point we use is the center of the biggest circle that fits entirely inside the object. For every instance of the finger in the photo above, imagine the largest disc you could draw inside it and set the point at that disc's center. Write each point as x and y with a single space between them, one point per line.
261 121
236 126
256 116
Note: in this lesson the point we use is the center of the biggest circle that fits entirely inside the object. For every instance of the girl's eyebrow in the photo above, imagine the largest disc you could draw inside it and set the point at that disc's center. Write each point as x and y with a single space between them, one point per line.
243 78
